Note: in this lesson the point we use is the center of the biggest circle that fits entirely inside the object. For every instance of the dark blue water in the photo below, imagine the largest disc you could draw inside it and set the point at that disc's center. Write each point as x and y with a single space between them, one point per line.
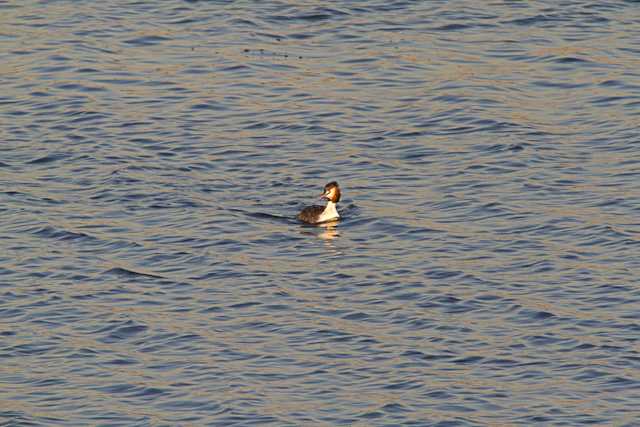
154 155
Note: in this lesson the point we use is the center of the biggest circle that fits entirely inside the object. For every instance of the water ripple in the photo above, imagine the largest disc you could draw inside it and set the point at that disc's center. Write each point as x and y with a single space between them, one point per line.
154 158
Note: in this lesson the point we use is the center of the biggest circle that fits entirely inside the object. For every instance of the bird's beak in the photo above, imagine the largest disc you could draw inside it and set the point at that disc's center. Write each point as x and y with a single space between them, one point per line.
324 196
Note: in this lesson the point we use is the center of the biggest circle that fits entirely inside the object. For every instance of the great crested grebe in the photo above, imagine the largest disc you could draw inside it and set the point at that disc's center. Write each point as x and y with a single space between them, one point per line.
317 214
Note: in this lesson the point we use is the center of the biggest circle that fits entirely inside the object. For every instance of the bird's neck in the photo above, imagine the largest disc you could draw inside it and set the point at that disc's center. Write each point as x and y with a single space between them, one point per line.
330 212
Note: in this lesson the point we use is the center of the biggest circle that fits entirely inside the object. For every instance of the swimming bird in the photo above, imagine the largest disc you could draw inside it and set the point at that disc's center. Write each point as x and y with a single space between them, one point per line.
317 214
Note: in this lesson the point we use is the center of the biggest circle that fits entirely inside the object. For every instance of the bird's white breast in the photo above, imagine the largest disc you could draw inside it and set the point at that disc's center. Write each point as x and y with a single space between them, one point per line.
329 213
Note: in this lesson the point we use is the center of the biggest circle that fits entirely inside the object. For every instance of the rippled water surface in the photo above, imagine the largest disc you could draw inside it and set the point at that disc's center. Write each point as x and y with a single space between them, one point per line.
154 155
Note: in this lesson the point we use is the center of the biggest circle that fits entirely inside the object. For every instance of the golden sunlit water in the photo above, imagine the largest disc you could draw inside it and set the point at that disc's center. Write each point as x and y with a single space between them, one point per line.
154 156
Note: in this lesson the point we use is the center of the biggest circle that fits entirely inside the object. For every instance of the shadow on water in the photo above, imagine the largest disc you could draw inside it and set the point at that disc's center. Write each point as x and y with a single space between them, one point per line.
266 216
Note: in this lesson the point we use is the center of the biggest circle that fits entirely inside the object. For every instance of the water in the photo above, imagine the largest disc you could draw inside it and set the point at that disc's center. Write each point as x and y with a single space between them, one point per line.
154 156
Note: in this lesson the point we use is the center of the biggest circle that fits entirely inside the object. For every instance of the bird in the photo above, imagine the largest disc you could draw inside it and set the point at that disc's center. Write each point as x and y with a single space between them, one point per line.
319 214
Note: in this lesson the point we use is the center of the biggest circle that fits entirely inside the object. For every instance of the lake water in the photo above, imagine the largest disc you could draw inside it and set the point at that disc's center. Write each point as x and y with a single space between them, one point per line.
153 158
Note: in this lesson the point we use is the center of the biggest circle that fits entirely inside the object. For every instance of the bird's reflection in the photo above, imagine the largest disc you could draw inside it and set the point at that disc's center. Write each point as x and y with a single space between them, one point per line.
329 231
